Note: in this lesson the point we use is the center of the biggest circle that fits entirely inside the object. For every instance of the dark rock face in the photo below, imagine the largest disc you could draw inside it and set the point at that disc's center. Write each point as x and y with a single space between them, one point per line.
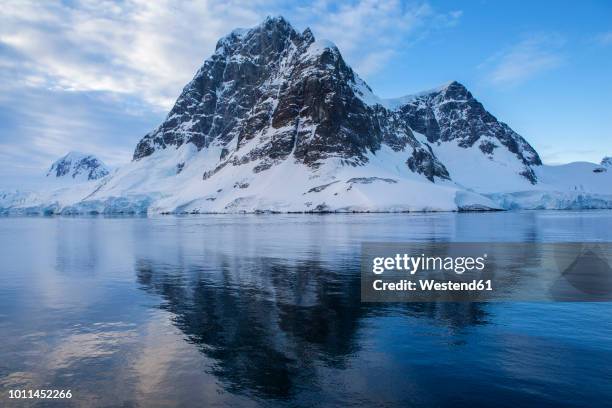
270 92
487 147
77 165
233 94
370 180
424 162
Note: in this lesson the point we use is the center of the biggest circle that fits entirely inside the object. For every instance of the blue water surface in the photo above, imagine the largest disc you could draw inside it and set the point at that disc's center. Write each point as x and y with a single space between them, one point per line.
265 310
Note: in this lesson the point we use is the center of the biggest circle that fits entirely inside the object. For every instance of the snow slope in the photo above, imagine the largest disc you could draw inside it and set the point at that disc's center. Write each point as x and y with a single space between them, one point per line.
155 185
578 185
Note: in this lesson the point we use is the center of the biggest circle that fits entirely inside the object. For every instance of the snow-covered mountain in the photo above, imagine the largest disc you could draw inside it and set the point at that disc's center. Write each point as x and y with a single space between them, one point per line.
78 166
69 179
275 120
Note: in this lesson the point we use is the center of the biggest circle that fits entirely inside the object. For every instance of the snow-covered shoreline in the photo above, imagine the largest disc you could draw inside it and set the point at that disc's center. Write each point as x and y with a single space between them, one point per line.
277 122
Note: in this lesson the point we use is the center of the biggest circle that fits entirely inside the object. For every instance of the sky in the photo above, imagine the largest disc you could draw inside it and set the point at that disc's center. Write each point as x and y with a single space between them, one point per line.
95 76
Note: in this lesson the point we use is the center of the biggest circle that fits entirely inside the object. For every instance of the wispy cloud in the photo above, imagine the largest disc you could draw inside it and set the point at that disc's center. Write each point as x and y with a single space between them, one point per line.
136 47
525 60
370 32
604 38
152 48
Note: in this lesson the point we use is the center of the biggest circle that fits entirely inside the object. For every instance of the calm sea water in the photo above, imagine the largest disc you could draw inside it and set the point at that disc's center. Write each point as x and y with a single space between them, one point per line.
265 311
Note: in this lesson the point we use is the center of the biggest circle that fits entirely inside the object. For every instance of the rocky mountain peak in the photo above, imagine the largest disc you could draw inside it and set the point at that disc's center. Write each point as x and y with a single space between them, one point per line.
78 166
455 90
451 114
606 161
248 69
269 37
308 35
270 93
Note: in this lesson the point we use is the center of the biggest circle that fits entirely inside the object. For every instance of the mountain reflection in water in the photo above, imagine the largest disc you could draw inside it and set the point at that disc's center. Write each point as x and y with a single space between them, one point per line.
267 333
266 311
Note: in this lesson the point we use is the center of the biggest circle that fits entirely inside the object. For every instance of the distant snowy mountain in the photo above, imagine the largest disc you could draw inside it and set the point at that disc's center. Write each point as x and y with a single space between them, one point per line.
275 120
78 166
69 179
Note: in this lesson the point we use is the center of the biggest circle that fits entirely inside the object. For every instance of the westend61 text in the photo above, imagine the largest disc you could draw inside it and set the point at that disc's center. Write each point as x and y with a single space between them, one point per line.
432 285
